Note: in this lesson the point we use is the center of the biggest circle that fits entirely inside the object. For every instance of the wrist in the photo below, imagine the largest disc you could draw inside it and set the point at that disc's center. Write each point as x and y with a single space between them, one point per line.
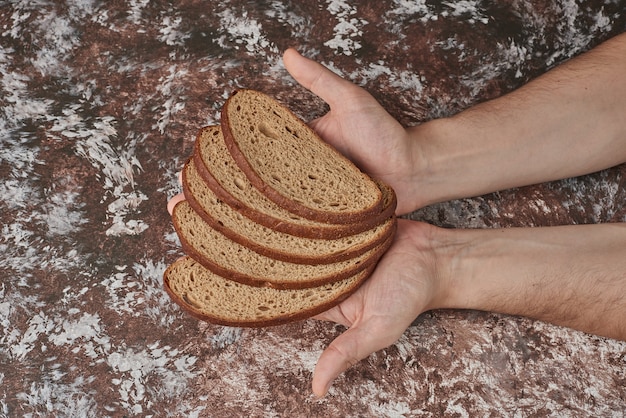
447 162
439 258
426 159
467 264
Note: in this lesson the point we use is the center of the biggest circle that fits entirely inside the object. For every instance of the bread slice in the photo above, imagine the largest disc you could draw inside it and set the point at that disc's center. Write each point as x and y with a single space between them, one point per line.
234 261
213 298
219 172
276 244
286 160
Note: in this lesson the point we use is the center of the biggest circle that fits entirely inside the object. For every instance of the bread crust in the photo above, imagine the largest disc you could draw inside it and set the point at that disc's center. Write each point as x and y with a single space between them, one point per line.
276 196
277 320
285 254
278 282
323 230
235 272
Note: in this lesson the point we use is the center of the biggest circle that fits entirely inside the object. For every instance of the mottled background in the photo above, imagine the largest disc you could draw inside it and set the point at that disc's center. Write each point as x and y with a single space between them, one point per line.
99 105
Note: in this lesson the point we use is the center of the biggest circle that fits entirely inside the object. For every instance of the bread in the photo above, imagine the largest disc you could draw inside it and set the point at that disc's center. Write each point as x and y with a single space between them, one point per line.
237 262
276 244
210 297
277 225
286 160
219 171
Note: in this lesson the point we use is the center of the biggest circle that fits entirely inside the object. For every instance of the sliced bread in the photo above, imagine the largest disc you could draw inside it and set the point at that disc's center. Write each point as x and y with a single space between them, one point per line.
210 297
277 225
237 262
219 171
290 164
276 244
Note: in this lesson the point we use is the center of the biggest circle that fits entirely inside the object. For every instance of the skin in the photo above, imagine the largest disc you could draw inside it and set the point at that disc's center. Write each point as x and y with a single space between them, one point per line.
574 276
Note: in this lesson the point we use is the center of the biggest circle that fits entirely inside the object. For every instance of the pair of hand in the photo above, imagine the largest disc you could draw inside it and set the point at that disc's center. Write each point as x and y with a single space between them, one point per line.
405 281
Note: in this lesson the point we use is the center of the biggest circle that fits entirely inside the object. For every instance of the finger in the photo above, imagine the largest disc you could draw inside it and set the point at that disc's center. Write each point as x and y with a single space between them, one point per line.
173 201
315 77
345 351
334 315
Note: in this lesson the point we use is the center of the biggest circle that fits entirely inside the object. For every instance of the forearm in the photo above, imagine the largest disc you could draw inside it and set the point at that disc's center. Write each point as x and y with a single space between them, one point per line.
573 276
568 122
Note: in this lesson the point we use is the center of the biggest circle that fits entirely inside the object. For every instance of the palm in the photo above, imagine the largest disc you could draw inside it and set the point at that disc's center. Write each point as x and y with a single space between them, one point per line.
401 287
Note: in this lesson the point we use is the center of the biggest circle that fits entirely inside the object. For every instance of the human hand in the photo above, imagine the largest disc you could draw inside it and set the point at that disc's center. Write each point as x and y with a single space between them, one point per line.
177 198
359 127
406 282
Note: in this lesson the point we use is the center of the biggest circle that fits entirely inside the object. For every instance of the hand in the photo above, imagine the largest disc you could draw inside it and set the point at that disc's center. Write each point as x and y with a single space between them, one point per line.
359 127
403 285
179 197
406 282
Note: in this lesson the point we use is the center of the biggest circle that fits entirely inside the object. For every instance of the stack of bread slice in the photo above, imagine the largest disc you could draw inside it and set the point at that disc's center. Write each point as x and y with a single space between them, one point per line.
277 225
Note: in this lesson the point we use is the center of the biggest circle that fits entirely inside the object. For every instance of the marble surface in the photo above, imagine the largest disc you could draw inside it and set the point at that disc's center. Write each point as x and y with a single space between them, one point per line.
99 106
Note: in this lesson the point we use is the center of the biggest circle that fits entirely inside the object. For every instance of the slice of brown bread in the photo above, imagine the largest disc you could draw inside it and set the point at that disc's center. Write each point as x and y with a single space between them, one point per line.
220 172
286 160
234 261
276 244
213 298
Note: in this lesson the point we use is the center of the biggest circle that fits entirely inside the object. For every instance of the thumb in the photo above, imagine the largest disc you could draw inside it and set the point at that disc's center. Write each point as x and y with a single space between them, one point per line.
315 77
344 352
173 201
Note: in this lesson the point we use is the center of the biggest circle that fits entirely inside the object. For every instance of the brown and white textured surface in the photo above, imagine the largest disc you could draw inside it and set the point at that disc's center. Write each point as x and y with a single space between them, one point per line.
99 106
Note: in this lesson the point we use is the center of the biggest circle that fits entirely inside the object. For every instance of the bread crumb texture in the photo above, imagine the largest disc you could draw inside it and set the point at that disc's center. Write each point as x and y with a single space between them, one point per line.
215 250
290 158
209 295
